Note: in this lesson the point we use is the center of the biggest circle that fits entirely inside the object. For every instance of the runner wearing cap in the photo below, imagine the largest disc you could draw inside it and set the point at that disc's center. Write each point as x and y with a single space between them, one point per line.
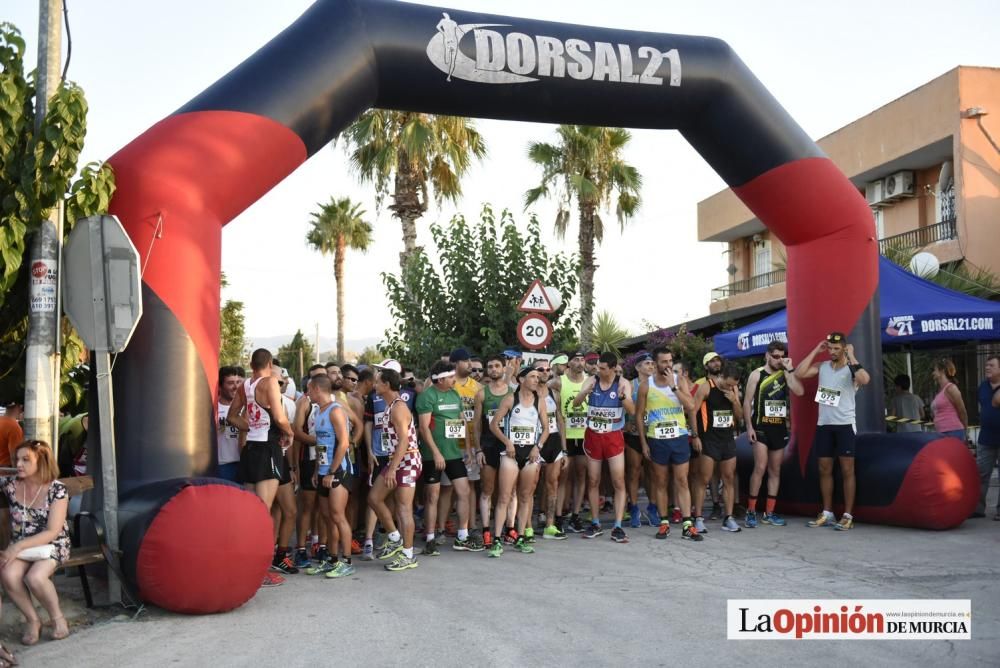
557 366
767 409
713 371
377 447
609 397
644 368
576 424
521 424
839 380
439 410
590 361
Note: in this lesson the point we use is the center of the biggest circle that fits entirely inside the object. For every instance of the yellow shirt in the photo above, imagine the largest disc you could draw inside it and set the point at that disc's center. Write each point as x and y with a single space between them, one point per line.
467 389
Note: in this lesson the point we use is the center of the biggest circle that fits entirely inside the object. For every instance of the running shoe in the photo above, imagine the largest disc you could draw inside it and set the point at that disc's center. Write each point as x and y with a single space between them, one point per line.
390 549
635 517
487 537
320 568
607 506
822 520
431 549
321 554
341 570
465 545
730 525
449 529
284 565
699 525
368 551
302 558
355 546
691 533
401 563
521 545
529 535
510 536
845 524
552 533
751 520
773 519
664 530
496 549
593 531
676 517
272 580
576 524
618 535
652 515
716 512
441 539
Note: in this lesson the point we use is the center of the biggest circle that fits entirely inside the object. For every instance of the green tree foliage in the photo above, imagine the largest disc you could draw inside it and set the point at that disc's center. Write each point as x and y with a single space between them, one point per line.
288 355
234 348
337 227
469 295
370 355
409 155
607 334
586 167
36 173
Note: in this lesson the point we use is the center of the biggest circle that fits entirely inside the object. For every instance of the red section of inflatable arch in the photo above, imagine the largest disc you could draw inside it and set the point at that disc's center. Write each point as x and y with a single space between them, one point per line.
204 168
825 225
171 569
940 490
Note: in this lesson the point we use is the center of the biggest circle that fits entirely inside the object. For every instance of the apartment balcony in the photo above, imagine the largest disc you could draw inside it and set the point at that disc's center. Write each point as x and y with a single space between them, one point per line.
940 238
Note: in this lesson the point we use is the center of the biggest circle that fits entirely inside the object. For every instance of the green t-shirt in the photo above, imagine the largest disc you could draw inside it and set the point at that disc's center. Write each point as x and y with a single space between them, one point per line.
447 425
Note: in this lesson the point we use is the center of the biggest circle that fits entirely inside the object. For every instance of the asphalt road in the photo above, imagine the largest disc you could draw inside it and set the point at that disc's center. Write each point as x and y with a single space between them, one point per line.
587 603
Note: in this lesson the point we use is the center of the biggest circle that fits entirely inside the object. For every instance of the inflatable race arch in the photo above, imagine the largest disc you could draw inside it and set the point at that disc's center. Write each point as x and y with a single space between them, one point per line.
194 171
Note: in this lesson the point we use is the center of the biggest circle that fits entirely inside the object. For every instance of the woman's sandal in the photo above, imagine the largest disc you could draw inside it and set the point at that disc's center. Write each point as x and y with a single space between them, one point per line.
31 632
56 633
7 657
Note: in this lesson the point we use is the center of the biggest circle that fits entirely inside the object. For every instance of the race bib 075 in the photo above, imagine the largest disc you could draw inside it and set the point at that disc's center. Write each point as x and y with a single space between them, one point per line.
828 397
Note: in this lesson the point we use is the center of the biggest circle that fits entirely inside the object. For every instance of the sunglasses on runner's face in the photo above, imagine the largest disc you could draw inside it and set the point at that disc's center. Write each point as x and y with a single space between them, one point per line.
282 383
543 369
477 369
353 379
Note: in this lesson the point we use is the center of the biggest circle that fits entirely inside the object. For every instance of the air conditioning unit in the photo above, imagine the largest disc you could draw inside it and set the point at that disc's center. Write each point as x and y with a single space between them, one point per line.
875 193
899 185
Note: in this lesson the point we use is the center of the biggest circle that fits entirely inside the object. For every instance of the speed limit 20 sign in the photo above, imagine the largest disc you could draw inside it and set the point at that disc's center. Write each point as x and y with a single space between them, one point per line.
534 331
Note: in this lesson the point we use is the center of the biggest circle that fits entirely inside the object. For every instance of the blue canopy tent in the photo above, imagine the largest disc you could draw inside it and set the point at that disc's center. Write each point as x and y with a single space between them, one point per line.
913 310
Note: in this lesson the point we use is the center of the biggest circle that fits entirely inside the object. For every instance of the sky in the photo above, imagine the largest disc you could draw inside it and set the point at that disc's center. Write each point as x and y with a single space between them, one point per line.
826 63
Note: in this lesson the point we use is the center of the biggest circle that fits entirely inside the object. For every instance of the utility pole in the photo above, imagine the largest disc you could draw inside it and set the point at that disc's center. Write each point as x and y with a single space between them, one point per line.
42 366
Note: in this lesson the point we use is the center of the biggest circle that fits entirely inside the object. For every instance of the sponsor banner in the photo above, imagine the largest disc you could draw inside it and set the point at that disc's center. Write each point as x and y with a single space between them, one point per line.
833 619
747 340
907 325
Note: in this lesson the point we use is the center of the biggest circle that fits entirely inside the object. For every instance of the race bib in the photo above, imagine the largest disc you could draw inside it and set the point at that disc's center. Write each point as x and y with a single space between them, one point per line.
312 453
522 435
828 397
775 409
324 457
577 421
722 419
666 430
384 438
553 425
600 425
468 414
489 416
454 428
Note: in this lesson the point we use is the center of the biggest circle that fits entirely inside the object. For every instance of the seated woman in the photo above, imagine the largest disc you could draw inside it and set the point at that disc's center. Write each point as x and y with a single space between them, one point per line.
38 505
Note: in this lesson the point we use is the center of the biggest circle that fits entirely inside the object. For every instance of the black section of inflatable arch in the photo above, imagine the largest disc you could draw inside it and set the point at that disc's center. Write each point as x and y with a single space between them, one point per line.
163 443
344 56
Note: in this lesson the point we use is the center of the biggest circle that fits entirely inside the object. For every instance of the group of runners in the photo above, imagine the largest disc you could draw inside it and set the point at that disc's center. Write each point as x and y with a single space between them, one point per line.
507 447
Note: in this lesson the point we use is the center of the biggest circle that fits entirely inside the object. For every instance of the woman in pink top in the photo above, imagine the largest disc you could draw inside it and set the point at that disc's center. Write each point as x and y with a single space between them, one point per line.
950 417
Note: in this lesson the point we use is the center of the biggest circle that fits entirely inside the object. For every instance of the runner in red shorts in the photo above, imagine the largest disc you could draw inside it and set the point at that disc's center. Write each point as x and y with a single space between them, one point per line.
608 396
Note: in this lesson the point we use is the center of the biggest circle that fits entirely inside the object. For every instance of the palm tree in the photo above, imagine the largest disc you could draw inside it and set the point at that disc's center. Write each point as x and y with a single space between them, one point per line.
417 152
608 335
337 226
587 163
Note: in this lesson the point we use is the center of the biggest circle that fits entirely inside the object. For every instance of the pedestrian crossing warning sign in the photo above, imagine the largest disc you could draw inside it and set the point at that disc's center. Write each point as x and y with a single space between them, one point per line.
535 300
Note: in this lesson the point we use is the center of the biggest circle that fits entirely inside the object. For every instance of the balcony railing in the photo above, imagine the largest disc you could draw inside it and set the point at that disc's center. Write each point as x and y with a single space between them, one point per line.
920 237
749 284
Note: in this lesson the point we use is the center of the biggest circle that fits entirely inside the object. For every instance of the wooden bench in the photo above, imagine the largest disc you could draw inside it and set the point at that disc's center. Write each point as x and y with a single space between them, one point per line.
82 556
